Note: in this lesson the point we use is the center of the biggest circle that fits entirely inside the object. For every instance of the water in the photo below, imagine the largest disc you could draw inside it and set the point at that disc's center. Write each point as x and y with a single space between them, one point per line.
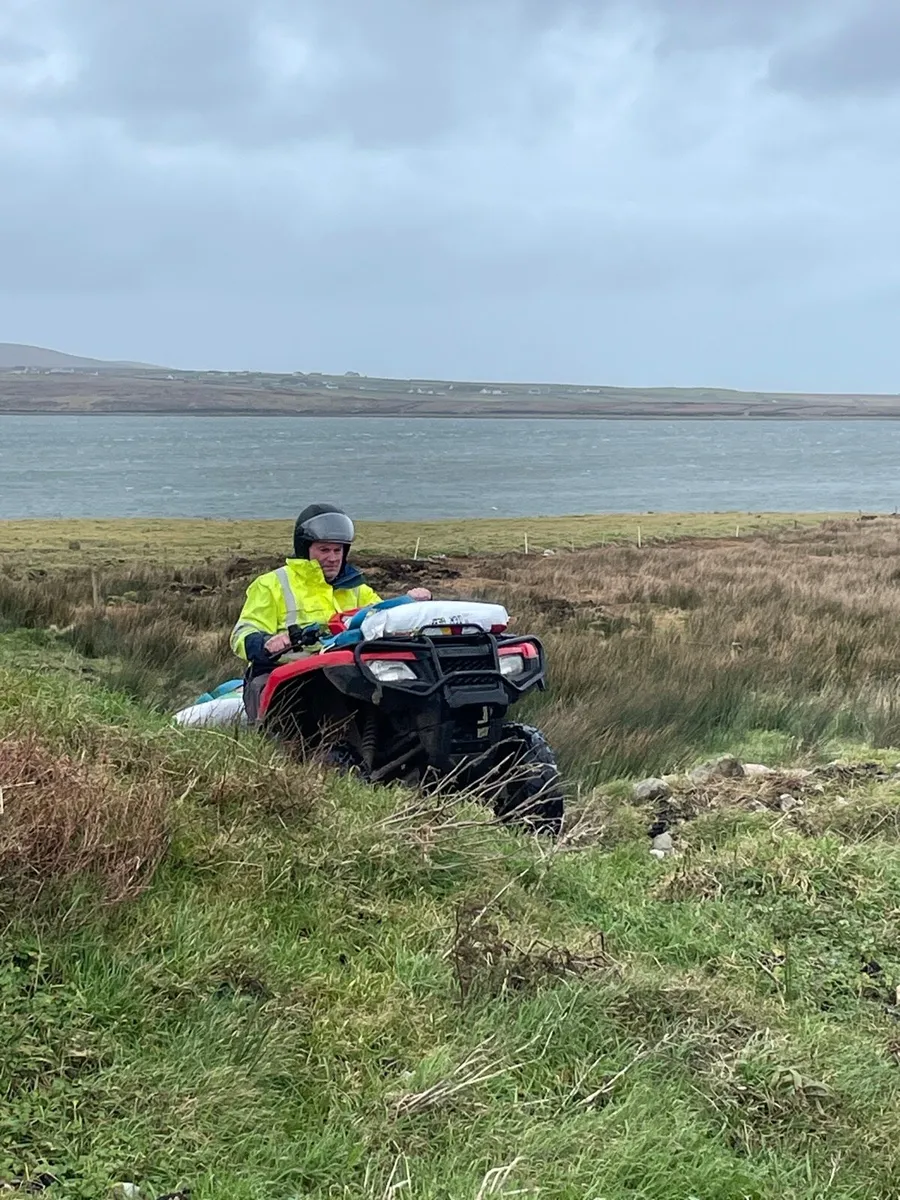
390 468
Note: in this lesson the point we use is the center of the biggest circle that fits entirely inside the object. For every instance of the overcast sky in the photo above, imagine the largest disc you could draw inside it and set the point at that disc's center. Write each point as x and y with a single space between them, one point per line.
656 192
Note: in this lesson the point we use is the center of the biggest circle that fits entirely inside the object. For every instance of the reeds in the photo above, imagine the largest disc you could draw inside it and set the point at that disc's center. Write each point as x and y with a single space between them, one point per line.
655 654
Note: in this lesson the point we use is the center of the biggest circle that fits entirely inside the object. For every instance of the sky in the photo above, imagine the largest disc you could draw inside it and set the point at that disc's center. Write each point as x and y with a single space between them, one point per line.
659 192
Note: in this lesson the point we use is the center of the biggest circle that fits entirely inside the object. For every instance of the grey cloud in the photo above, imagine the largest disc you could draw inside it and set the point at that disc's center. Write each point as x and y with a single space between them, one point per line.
259 74
858 56
155 67
269 71
712 24
576 188
198 223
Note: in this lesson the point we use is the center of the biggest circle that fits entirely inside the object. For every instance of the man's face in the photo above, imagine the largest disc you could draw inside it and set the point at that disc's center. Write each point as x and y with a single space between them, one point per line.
329 555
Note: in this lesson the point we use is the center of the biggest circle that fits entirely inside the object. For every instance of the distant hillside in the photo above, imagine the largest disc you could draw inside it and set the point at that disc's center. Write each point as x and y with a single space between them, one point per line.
13 355
62 383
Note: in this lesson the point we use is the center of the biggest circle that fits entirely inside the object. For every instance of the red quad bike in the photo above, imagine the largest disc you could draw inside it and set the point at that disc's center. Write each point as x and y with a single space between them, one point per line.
422 698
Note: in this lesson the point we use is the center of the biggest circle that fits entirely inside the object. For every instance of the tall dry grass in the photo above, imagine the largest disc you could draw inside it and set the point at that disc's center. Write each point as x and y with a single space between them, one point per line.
656 654
159 634
63 819
659 653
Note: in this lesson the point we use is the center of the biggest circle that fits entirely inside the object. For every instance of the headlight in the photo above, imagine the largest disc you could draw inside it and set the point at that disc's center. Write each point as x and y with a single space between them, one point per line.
388 670
512 664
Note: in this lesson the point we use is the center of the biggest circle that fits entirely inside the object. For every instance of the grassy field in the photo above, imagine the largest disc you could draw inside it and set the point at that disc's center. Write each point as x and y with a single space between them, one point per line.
178 543
226 973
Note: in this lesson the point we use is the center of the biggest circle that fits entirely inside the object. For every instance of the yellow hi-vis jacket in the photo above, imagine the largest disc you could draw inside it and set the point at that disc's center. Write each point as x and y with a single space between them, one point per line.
297 594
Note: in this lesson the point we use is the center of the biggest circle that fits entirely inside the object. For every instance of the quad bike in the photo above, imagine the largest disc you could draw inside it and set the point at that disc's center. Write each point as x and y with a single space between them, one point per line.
419 692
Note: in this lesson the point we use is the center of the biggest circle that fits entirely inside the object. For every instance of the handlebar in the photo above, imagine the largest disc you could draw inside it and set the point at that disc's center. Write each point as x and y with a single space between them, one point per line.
303 636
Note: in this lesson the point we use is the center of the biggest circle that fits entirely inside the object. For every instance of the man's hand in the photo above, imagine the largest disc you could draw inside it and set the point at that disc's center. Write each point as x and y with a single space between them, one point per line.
419 594
277 644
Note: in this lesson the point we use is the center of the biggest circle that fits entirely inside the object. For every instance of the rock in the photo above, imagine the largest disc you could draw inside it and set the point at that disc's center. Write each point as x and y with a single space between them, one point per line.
658 854
758 771
726 767
663 843
651 789
787 803
125 1191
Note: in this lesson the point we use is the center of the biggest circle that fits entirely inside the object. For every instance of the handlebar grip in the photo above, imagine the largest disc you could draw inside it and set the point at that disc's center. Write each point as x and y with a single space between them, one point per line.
304 635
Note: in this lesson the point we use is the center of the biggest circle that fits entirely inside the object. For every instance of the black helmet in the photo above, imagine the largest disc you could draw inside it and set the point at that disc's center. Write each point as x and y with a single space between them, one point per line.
322 523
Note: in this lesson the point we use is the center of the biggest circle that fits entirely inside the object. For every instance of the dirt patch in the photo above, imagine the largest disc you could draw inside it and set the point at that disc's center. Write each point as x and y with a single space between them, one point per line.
559 610
392 575
752 794
486 963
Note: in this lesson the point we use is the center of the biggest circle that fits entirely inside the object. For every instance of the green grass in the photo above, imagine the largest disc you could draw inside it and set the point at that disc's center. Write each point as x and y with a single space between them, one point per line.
280 1012
244 977
53 543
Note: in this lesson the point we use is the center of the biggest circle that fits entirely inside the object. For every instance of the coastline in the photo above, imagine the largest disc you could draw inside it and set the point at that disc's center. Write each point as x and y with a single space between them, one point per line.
316 396
316 414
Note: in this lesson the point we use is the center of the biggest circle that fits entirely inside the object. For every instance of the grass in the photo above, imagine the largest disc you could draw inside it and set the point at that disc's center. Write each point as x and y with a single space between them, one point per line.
778 644
183 543
315 989
355 996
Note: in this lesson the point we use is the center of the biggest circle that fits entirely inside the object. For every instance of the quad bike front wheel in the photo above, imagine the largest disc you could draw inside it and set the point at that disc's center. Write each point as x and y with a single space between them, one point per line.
346 760
528 788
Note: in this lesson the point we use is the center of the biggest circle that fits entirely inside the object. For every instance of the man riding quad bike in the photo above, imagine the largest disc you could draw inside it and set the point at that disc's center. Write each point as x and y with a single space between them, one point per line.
411 689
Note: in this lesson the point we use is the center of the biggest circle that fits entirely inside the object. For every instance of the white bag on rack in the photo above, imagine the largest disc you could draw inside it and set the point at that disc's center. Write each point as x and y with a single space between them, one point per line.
431 614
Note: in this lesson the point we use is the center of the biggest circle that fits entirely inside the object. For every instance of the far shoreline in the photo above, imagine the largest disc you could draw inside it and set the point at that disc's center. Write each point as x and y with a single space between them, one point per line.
161 392
256 414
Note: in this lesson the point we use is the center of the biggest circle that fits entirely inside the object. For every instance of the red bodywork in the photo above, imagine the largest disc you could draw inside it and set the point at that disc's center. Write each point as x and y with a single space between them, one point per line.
346 658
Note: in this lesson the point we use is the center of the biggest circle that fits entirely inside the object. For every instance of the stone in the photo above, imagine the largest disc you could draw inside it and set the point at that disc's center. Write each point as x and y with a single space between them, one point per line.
658 854
725 767
651 789
787 803
663 842
758 771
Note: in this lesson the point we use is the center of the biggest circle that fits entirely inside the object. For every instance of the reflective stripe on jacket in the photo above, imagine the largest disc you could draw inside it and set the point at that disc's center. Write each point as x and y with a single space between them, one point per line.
297 594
